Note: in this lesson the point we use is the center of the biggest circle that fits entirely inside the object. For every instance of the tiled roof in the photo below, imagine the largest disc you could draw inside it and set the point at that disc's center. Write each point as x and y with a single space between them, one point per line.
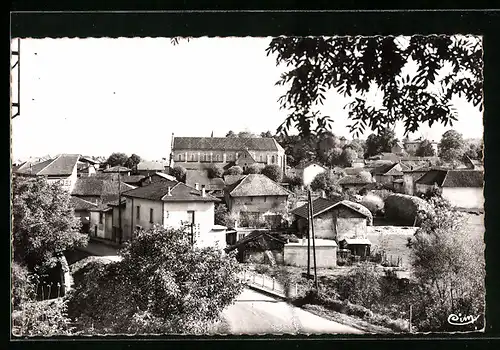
132 178
153 166
106 188
353 171
157 191
33 168
166 176
252 236
64 164
231 179
453 178
464 178
81 204
201 177
257 185
321 205
353 180
226 143
117 169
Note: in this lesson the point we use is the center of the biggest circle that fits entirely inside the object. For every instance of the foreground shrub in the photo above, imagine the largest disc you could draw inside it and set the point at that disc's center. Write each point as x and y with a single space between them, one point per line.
162 285
23 285
404 209
361 286
374 203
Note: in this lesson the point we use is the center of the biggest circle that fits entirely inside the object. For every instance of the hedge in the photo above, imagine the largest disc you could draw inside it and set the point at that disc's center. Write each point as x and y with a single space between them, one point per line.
403 209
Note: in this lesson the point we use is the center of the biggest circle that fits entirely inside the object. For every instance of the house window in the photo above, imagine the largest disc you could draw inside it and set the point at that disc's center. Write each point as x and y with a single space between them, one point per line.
272 159
101 217
179 157
251 199
138 212
261 159
190 216
151 215
192 157
265 199
217 158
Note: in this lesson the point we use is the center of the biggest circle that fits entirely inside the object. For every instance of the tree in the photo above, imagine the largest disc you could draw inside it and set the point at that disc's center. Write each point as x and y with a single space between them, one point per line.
358 146
353 66
334 157
44 223
448 262
266 134
179 173
294 181
245 134
132 161
347 156
425 149
252 169
380 143
325 144
116 159
273 172
221 214
473 151
452 146
23 286
325 182
231 134
164 286
214 171
235 170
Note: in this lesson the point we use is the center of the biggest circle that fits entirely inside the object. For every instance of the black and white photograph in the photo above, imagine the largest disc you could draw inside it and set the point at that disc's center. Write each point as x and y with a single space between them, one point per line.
285 185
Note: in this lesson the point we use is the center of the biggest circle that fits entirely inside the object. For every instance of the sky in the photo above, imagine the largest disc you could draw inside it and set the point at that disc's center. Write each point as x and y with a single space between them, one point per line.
98 96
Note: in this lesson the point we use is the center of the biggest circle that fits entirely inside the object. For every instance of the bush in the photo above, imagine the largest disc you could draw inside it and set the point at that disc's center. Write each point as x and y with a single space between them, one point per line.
214 171
362 286
294 181
221 215
234 170
373 203
273 172
404 209
179 173
252 169
326 182
23 285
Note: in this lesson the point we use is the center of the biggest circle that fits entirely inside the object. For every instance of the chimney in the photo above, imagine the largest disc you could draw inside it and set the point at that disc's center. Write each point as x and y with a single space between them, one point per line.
197 186
203 194
169 191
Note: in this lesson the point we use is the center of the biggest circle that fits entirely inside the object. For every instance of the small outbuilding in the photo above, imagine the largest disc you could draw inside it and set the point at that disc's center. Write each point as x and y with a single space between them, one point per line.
357 246
260 246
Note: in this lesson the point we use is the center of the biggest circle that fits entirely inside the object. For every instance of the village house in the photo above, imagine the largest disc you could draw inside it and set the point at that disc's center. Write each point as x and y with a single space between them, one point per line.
473 164
388 173
398 148
231 179
117 169
463 188
148 168
260 247
87 166
132 180
156 177
334 220
82 211
61 170
410 176
198 178
172 204
411 146
255 197
307 172
197 152
354 182
99 189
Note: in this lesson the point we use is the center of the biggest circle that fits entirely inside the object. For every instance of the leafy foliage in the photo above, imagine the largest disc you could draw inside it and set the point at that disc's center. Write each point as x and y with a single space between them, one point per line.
231 134
215 171
357 66
425 149
23 285
474 151
347 156
266 134
273 172
235 170
43 222
252 169
373 202
162 285
361 286
452 146
116 159
42 318
449 264
132 161
221 214
326 182
294 181
179 173
380 143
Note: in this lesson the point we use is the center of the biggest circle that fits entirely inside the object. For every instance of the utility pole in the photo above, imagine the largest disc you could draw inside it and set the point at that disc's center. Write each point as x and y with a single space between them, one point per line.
119 207
309 221
314 241
17 65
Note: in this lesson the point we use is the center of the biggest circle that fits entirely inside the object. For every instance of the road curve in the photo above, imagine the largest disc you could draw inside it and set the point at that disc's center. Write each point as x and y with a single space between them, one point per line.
256 313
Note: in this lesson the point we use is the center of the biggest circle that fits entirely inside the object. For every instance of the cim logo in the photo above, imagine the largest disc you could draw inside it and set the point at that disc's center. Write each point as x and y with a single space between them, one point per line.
459 320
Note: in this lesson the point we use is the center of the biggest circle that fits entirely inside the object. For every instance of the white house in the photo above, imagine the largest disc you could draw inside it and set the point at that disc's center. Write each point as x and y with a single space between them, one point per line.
61 170
172 204
462 187
309 171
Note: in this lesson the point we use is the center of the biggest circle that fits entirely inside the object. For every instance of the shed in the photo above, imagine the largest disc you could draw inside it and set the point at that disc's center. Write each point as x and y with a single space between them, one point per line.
357 246
334 220
260 246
